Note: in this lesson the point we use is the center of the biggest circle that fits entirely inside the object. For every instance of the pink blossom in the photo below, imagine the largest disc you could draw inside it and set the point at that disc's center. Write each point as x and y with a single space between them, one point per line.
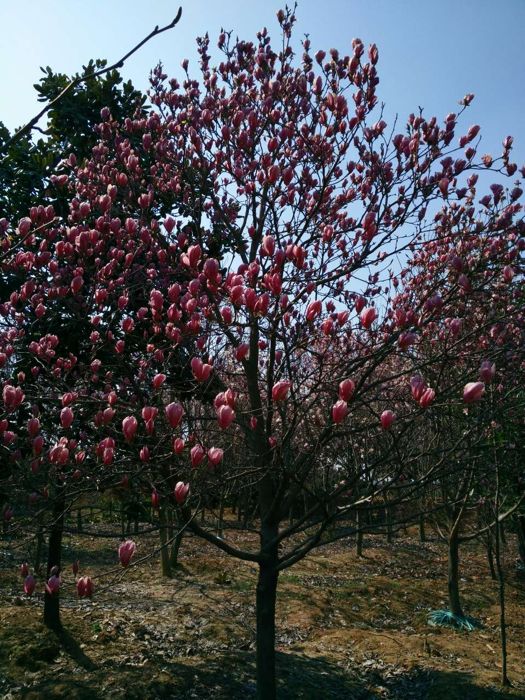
215 455
225 416
158 380
66 417
197 454
346 389
85 587
473 391
387 418
339 411
313 310
178 445
29 584
487 371
181 491
129 427
174 412
280 390
125 552
53 585
427 397
368 316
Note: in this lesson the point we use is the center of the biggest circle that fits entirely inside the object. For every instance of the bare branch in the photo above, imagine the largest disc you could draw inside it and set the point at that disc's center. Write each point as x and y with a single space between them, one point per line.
32 124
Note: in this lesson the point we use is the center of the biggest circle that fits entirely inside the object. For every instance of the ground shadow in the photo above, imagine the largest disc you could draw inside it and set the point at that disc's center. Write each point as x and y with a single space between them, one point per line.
70 645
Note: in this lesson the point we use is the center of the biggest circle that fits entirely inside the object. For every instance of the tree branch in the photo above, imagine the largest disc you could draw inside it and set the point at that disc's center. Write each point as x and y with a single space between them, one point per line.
23 131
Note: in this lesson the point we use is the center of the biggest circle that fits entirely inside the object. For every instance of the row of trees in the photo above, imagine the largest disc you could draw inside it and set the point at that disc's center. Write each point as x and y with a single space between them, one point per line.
255 290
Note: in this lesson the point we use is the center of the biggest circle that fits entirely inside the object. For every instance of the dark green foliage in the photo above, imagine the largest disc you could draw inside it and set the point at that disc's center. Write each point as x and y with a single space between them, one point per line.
25 166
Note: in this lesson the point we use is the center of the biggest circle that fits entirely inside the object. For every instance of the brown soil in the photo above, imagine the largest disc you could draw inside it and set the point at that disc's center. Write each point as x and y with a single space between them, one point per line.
348 627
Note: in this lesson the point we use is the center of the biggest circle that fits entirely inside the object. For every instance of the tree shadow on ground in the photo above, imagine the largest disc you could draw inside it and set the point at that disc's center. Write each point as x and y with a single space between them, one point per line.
230 676
70 645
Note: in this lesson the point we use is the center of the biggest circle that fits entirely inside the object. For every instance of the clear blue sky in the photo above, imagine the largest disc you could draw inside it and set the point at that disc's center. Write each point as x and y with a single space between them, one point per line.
431 53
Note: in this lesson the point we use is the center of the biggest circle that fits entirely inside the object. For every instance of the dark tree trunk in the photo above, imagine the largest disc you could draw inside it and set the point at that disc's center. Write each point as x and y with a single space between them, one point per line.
54 558
176 539
521 537
453 574
265 612
490 557
422 533
359 534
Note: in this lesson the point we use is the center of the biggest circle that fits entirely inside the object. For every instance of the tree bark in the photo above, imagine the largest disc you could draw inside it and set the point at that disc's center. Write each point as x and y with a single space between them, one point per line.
422 533
54 558
453 574
359 534
265 611
490 556
176 540
520 522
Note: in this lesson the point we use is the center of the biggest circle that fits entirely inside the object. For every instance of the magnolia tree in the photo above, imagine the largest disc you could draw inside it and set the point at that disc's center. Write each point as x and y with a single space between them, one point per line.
274 319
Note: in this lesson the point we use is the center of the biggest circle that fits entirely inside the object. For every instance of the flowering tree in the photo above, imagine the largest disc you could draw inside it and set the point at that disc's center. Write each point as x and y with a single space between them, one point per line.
272 312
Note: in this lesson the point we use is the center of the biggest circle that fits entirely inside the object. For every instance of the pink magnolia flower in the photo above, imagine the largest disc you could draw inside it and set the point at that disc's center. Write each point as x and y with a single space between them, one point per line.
33 427
53 585
158 380
417 387
487 371
215 455
346 389
155 499
313 310
66 417
280 390
473 391
178 445
29 584
339 411
368 316
242 352
24 570
201 371
174 413
149 413
387 418
181 491
225 416
85 587
197 454
125 551
427 397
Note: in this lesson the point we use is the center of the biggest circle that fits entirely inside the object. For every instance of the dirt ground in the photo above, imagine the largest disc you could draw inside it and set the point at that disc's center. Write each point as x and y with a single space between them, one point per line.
348 627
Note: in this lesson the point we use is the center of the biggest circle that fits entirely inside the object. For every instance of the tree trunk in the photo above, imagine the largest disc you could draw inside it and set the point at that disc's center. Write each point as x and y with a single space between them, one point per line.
521 537
79 520
54 557
220 520
422 533
501 590
453 574
265 607
490 557
389 529
359 534
176 540
165 563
